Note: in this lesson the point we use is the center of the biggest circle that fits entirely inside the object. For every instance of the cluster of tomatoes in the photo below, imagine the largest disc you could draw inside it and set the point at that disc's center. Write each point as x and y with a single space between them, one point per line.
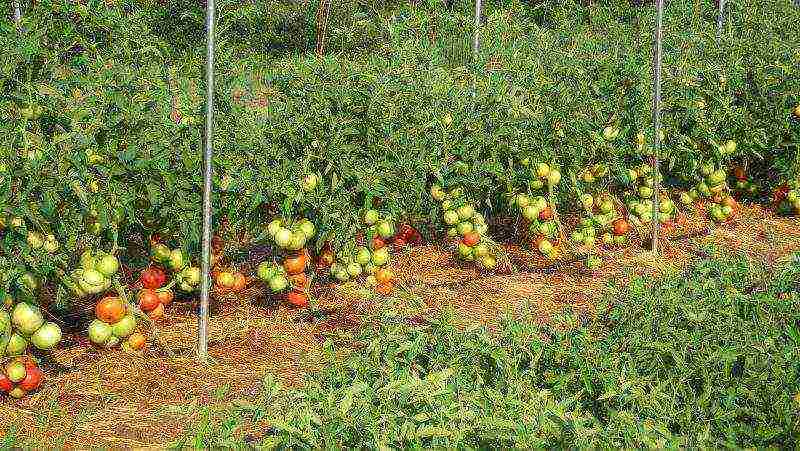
713 186
114 325
538 216
94 275
20 376
370 257
25 325
467 228
639 200
289 277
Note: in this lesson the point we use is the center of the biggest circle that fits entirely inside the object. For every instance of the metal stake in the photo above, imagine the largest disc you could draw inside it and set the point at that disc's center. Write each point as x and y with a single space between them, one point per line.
657 120
202 330
720 19
476 41
17 13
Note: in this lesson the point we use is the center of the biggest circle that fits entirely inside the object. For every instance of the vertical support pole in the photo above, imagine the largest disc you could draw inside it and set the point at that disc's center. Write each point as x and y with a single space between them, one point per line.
202 327
477 39
657 120
17 13
720 19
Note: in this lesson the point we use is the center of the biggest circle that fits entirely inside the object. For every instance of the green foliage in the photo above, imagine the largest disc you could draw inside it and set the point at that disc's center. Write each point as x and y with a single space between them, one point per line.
704 358
104 105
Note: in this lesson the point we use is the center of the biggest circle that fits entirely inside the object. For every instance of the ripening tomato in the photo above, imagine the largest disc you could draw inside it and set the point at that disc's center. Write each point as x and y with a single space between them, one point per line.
416 238
299 282
620 227
225 280
384 275
148 300
377 243
399 243
546 214
239 282
739 173
385 288
137 341
731 202
471 239
153 278
295 263
297 299
110 309
165 296
157 312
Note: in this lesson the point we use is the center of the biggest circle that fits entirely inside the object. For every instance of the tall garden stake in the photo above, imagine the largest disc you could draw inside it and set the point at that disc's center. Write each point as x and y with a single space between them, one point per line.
477 39
202 329
720 19
17 13
657 119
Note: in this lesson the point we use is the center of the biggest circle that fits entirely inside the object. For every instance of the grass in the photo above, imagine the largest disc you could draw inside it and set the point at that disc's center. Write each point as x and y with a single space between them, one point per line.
702 358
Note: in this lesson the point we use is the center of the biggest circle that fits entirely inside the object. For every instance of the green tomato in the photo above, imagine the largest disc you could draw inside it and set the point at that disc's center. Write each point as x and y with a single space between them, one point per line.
363 256
450 217
278 283
464 228
283 237
465 212
386 229
26 318
100 332
124 327
47 336
371 217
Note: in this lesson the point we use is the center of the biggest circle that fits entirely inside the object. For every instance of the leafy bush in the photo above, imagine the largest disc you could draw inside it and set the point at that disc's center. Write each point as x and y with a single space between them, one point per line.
704 358
104 107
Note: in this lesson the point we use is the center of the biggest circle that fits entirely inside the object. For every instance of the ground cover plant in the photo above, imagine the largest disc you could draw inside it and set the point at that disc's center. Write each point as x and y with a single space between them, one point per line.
705 357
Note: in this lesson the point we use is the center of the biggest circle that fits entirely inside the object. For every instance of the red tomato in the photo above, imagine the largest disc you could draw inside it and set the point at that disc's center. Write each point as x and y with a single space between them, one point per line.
33 379
416 238
153 278
739 173
5 383
399 242
297 299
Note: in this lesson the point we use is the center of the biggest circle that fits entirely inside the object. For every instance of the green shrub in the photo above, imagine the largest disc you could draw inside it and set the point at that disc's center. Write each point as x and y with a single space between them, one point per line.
704 358
395 105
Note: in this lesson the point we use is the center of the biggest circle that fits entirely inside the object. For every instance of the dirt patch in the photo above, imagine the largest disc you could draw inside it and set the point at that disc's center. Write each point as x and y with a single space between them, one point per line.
96 398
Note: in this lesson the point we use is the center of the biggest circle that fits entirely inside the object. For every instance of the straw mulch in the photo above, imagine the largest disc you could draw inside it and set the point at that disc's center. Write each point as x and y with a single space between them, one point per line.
98 398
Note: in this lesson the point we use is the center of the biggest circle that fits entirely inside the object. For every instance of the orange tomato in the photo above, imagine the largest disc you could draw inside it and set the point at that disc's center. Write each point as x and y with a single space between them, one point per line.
620 227
739 173
239 282
385 288
295 264
165 297
110 309
546 214
136 341
378 243
148 299
297 299
300 281
384 275
730 202
472 239
157 312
